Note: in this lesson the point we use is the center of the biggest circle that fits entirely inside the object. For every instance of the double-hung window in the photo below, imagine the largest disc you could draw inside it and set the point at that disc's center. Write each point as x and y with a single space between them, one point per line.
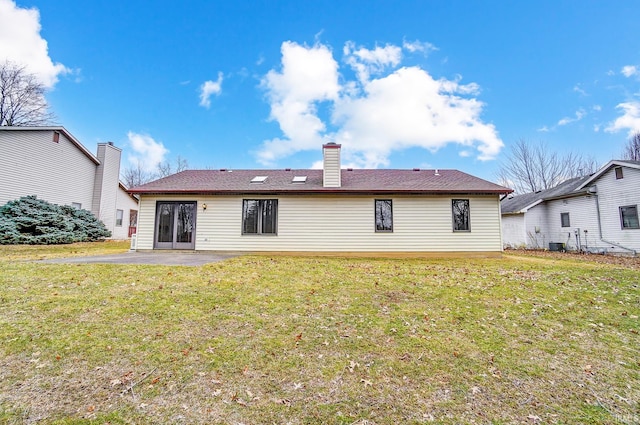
460 212
384 215
564 220
119 215
259 216
629 217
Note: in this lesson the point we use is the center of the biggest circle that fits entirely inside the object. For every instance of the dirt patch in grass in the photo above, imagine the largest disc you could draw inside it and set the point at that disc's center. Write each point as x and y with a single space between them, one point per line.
321 340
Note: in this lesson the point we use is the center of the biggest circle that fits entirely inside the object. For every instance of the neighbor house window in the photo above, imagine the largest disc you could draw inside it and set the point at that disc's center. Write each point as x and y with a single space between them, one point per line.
460 211
259 216
76 205
618 173
564 219
629 217
119 215
384 215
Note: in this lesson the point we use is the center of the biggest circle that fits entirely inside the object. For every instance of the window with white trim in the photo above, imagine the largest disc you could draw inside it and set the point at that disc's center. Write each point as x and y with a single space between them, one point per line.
259 216
119 215
564 220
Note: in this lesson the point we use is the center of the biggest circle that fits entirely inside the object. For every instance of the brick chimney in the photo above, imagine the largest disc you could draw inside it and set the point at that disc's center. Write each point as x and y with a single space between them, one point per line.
331 165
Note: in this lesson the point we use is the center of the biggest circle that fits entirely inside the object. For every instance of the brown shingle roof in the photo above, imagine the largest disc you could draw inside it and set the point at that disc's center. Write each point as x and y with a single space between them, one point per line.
379 181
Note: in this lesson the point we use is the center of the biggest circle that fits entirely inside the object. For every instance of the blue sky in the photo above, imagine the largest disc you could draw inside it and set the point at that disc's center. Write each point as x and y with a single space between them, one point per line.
400 84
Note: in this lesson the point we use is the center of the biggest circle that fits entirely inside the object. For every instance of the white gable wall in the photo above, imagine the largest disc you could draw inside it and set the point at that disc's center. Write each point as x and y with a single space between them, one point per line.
33 164
338 224
613 194
535 227
513 231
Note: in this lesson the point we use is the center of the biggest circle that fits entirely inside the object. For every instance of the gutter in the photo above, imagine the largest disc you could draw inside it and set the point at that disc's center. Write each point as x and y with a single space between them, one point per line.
633 251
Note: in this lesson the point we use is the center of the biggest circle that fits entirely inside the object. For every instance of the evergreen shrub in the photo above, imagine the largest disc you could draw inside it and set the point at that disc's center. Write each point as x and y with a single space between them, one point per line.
33 221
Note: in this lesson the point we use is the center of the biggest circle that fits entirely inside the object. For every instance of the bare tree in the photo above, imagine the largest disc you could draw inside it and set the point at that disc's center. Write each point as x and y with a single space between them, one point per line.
167 167
631 150
531 167
136 175
22 101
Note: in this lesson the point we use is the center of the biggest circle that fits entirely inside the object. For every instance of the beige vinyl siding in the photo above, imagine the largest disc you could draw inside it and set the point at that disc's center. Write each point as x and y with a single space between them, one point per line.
332 173
33 164
338 223
614 193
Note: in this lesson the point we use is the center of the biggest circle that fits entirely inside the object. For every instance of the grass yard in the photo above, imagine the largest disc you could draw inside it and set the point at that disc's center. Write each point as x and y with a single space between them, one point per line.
276 340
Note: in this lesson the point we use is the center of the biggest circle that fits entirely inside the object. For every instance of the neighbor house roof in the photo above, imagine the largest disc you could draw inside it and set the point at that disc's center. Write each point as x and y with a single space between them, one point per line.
59 129
607 167
521 203
354 181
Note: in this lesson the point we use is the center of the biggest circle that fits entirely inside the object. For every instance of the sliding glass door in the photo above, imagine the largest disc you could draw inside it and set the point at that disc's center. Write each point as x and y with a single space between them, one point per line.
175 225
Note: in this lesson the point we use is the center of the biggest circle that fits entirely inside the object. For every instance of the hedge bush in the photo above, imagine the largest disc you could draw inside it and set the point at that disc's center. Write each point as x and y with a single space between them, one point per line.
33 221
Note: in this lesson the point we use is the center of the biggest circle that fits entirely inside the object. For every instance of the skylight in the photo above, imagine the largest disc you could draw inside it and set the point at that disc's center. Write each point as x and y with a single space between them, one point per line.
299 179
258 179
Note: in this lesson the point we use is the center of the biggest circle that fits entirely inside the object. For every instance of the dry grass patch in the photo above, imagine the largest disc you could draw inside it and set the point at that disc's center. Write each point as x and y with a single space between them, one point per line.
320 340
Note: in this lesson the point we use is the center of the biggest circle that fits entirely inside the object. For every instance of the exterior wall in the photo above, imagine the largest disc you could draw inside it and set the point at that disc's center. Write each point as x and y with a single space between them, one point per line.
106 185
333 223
513 231
535 227
582 217
125 203
613 194
31 163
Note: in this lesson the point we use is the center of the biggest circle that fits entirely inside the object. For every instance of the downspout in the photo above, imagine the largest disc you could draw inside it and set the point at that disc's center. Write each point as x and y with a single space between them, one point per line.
633 251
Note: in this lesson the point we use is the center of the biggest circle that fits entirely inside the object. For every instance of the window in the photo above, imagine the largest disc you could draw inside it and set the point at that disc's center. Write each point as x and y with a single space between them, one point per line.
76 205
259 216
629 217
299 179
618 173
460 211
119 215
384 215
564 220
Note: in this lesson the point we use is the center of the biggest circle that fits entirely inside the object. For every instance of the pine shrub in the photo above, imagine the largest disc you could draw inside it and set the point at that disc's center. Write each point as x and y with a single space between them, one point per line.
33 221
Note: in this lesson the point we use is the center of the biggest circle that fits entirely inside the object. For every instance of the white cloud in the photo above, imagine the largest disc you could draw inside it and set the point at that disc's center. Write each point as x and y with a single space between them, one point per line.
580 90
366 62
418 46
629 71
309 75
372 117
21 43
209 88
597 108
544 129
629 120
568 120
146 152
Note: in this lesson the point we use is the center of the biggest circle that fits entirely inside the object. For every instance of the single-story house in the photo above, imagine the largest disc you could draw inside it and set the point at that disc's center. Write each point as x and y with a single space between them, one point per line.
596 213
52 164
327 210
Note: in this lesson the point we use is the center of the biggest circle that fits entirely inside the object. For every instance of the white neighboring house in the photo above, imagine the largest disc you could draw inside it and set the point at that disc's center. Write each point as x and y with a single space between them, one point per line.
53 165
597 213
328 210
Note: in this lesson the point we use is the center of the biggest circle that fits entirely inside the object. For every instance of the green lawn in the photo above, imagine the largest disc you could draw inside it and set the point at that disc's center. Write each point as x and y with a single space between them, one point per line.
304 340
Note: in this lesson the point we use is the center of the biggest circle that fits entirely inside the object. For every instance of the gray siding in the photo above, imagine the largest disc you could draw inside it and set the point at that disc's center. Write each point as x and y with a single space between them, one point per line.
338 224
513 233
125 203
31 163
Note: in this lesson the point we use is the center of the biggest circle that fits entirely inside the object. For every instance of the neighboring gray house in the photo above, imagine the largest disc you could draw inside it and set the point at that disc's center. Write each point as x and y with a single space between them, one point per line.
597 213
53 165
328 210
